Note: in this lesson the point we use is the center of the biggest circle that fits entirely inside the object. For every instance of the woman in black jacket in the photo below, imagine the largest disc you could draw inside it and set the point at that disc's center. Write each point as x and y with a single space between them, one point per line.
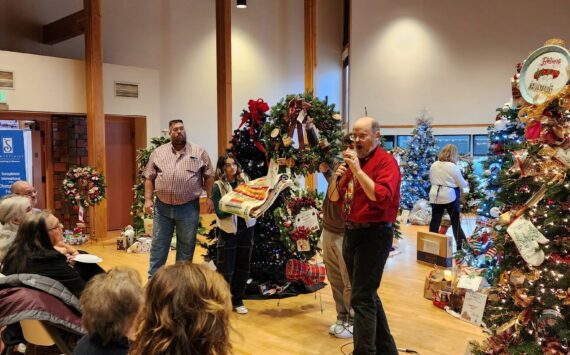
33 252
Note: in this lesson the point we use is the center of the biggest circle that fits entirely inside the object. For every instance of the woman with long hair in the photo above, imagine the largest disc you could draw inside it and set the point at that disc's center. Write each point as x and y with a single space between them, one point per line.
186 312
446 181
235 234
33 252
13 211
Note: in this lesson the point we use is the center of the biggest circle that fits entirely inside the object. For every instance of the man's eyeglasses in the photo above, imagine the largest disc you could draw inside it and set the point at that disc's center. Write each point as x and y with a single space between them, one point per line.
29 193
59 225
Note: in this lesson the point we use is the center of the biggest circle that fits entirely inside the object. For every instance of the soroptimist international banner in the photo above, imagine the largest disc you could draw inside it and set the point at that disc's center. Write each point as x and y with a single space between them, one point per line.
12 159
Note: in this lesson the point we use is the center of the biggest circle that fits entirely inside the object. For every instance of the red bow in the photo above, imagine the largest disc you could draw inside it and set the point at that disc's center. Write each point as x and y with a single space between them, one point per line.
310 274
255 116
296 106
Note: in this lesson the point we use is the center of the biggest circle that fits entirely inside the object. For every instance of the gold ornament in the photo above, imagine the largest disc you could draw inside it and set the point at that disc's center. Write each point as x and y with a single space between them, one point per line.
505 218
281 161
517 278
336 117
555 42
323 143
287 141
274 132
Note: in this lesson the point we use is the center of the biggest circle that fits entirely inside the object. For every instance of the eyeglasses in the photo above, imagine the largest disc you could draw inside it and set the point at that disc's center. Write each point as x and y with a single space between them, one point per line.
59 225
29 193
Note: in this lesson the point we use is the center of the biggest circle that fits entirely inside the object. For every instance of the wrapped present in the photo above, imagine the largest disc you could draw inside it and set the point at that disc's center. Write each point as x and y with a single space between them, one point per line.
310 274
442 297
121 245
438 279
141 246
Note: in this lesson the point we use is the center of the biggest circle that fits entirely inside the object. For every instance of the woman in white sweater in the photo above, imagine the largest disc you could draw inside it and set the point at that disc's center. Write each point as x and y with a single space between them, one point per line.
446 181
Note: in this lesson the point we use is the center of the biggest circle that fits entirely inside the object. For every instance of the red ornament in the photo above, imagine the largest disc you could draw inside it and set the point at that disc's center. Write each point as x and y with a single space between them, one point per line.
533 131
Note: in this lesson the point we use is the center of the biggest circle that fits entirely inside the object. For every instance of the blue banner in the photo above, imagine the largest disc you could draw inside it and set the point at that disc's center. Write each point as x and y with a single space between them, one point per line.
12 159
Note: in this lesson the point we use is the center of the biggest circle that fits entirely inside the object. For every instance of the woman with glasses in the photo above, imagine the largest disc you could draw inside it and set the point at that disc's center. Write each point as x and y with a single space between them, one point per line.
34 252
13 211
235 238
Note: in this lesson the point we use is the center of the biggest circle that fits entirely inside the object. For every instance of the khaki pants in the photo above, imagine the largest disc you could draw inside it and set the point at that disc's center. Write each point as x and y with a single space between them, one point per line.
337 274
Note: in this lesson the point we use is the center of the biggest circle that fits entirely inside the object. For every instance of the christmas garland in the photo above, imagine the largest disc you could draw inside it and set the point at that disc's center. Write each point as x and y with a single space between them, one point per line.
83 186
311 119
300 239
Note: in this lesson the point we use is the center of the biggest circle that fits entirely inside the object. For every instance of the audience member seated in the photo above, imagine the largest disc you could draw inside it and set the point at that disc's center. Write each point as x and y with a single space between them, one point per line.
186 311
32 252
110 303
13 211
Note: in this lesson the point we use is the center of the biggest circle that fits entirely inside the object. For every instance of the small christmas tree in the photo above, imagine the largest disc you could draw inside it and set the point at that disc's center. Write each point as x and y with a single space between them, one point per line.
416 162
471 200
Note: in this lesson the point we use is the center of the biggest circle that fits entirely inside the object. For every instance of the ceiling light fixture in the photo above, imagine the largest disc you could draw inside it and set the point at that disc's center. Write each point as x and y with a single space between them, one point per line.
241 4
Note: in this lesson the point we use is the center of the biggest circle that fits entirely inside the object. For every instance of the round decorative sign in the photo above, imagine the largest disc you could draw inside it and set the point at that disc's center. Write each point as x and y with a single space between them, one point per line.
544 73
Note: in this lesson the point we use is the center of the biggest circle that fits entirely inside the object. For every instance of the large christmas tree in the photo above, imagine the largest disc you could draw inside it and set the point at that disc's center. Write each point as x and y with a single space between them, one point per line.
528 309
416 161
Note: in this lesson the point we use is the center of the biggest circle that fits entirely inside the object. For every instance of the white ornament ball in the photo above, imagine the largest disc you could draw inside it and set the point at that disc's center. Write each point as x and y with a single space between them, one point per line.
506 107
501 124
495 212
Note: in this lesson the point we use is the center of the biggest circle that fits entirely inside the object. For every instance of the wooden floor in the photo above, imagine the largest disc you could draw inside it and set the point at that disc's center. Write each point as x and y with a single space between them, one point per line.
299 325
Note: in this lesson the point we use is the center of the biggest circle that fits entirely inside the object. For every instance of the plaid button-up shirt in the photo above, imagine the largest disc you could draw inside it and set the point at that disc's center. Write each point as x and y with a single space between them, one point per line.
178 177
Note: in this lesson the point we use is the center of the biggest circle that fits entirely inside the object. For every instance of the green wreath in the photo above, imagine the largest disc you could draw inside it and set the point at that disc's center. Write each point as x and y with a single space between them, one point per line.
292 236
83 186
306 117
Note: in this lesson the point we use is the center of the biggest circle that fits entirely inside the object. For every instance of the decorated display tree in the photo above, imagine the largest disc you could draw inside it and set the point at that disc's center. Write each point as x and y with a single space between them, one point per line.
528 309
137 208
505 136
416 161
471 200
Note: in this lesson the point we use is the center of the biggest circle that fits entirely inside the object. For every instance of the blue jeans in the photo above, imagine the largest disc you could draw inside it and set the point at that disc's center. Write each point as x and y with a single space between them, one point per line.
185 218
365 252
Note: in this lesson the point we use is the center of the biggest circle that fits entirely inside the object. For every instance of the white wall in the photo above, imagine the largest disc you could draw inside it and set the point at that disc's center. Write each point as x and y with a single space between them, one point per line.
452 57
50 84
267 52
188 69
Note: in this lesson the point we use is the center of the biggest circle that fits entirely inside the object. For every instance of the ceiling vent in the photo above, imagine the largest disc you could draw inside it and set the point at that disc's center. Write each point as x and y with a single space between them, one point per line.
126 90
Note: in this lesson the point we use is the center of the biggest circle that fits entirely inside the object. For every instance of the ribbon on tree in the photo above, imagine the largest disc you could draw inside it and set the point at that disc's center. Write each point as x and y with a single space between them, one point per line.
255 117
297 116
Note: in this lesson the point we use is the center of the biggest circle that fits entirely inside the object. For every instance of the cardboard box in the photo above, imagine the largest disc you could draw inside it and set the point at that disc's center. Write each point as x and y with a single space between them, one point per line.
435 249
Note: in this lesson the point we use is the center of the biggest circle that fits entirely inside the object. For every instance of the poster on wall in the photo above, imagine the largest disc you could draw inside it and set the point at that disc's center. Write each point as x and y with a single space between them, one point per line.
12 159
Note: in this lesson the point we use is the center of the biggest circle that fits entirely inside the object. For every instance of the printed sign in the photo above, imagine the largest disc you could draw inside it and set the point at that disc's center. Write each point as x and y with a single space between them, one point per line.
544 73
473 307
308 219
527 237
12 159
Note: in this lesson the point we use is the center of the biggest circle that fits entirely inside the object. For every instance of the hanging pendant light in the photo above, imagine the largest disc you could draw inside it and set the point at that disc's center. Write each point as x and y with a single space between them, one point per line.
241 4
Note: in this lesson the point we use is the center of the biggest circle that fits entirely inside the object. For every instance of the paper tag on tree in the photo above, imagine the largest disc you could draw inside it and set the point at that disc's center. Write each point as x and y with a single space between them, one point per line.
527 237
301 116
308 219
303 245
473 307
563 155
470 282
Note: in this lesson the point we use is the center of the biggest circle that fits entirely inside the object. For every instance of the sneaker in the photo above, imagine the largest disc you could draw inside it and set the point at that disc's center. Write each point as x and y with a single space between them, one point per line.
345 332
241 309
336 328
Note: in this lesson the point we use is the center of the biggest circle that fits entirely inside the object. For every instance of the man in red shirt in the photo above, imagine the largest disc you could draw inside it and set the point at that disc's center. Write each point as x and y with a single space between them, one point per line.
368 185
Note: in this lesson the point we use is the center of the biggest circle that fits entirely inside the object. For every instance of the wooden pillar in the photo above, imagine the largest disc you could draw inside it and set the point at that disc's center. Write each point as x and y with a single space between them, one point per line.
95 113
310 35
224 72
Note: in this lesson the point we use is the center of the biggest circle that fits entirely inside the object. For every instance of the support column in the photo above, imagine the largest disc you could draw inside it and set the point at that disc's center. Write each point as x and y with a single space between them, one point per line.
224 72
310 31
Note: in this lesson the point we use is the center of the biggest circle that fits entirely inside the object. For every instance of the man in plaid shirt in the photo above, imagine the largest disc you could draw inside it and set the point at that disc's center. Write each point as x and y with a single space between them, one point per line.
177 172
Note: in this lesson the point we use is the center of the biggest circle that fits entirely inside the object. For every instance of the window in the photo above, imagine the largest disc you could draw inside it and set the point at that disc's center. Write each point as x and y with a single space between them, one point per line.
389 142
480 144
462 142
403 141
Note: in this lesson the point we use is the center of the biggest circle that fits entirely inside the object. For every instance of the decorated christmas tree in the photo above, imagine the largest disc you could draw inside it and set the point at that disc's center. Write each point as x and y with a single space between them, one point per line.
471 200
504 136
416 161
137 208
528 309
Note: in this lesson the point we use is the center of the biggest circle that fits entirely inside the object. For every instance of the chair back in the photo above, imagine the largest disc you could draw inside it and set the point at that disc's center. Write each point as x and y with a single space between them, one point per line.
35 332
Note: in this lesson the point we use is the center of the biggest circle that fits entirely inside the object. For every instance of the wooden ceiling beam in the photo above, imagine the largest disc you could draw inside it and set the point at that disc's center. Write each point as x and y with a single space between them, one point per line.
64 28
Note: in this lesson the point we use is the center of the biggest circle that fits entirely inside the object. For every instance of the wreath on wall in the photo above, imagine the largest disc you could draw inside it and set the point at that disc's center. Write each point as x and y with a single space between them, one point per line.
83 186
317 127
299 220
